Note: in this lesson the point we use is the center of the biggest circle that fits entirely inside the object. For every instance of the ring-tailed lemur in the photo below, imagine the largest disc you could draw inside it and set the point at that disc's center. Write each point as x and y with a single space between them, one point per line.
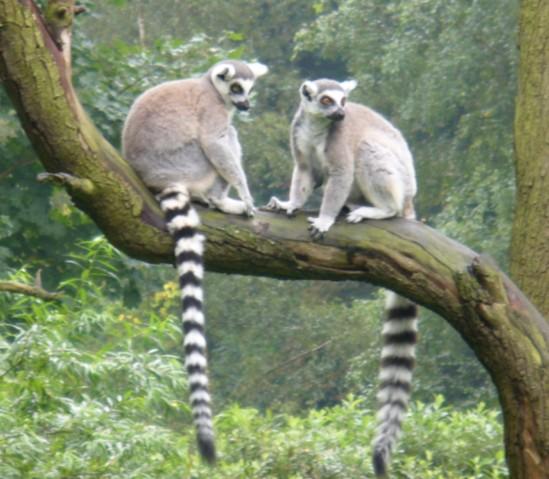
179 138
360 158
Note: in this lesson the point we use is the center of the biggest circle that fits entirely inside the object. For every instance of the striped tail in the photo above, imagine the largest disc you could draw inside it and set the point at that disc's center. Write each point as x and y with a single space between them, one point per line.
397 363
182 221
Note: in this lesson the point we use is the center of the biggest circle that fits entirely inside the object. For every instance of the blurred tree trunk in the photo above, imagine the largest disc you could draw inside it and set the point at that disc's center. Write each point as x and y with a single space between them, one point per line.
141 23
530 241
506 332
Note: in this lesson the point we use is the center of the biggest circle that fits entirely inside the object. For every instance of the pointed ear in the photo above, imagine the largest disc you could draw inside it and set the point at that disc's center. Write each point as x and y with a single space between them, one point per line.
258 69
348 86
223 71
308 89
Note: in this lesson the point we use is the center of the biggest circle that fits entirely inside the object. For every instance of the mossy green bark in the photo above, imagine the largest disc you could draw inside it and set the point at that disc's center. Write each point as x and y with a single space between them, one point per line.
506 332
59 15
530 241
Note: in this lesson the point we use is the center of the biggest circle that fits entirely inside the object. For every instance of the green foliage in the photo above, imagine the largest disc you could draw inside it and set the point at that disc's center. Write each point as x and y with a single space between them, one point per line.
83 381
269 167
445 365
92 389
6 227
484 202
110 77
302 341
34 218
266 27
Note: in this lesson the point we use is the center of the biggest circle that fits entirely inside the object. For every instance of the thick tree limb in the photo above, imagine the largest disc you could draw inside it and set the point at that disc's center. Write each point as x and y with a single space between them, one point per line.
530 238
506 332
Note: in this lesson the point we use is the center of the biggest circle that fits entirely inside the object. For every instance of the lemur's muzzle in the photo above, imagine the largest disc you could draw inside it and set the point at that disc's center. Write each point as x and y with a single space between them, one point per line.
242 105
337 115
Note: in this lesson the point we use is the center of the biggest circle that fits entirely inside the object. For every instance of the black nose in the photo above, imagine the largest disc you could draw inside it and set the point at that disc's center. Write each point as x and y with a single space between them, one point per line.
337 115
242 105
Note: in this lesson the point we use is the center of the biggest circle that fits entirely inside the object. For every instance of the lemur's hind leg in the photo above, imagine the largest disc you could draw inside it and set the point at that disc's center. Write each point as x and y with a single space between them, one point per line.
230 206
218 196
380 184
369 213
357 213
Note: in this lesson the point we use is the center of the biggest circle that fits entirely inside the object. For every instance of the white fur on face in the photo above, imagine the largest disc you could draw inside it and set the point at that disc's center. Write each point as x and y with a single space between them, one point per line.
246 85
316 108
336 95
224 89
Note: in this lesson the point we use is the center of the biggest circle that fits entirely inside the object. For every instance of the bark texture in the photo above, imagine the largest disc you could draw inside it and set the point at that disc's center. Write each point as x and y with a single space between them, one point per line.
530 241
506 332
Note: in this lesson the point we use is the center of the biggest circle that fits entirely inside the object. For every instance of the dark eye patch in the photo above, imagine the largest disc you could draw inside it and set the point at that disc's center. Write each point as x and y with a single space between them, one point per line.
343 101
326 101
236 89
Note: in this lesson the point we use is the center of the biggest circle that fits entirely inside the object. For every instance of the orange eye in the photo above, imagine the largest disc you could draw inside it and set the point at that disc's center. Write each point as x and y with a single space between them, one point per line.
326 101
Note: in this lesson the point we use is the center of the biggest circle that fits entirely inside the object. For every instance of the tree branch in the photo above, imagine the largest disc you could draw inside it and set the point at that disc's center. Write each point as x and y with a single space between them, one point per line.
28 290
71 182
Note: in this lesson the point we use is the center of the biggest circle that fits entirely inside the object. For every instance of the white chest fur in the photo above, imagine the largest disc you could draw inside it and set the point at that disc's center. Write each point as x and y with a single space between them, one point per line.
311 141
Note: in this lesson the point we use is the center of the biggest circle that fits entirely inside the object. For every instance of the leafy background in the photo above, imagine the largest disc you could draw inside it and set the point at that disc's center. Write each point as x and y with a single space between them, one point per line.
93 386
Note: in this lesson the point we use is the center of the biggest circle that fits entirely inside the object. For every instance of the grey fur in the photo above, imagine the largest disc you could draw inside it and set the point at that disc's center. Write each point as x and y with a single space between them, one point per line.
360 160
180 133
364 163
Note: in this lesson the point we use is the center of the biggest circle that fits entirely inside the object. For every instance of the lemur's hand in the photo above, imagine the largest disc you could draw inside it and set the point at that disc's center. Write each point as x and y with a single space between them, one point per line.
319 226
277 205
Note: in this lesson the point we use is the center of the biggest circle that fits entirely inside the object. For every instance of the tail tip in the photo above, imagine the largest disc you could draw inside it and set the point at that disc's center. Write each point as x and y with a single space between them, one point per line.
206 446
380 463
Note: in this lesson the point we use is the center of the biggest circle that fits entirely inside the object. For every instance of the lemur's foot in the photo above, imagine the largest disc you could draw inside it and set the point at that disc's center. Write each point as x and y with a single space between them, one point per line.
233 207
319 226
369 213
277 205
354 217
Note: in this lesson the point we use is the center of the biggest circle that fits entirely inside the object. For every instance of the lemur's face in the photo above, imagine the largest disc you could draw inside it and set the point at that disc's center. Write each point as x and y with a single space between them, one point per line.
326 98
235 81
